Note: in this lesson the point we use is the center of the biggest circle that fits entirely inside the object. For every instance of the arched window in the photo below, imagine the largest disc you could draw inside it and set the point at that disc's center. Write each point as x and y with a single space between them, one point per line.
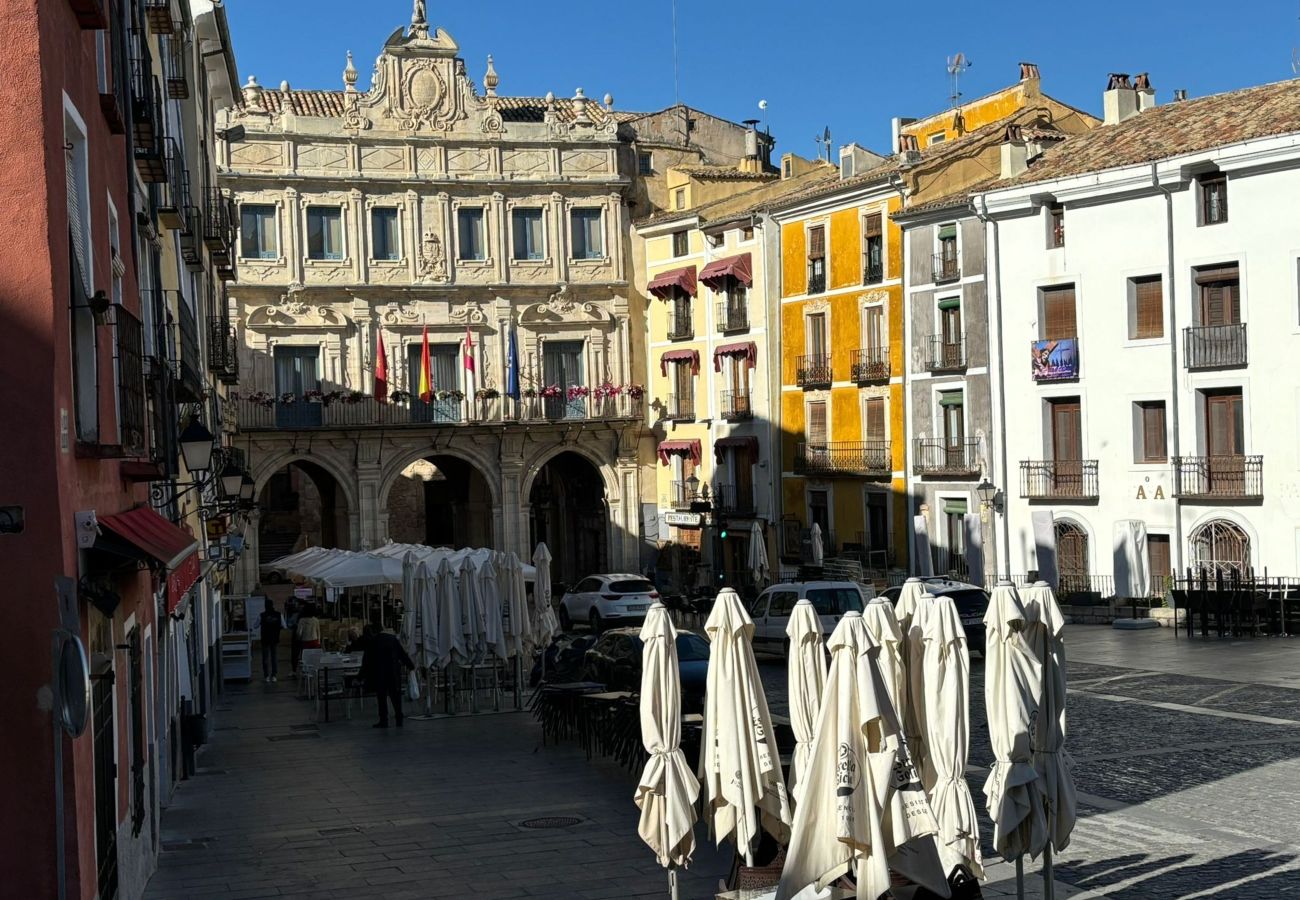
1071 557
1220 545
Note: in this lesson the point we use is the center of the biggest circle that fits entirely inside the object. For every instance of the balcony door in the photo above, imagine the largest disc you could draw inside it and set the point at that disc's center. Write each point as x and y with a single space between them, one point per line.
952 411
1225 443
739 385
1220 296
297 371
442 377
684 391
740 470
874 432
816 339
1067 447
950 333
562 367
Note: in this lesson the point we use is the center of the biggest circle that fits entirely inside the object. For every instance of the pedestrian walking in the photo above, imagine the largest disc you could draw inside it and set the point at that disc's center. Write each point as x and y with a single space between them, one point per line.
381 670
270 623
308 630
291 617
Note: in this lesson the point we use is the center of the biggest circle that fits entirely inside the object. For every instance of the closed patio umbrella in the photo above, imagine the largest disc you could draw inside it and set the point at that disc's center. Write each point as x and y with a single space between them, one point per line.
452 644
284 564
758 565
883 627
740 768
806 677
904 610
668 789
818 551
545 625
914 723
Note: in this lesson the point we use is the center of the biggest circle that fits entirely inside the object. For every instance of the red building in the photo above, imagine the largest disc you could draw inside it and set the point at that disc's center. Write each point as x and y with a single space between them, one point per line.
88 357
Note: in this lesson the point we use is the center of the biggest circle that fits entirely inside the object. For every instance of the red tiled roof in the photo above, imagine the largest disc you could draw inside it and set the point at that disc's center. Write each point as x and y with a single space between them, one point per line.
331 105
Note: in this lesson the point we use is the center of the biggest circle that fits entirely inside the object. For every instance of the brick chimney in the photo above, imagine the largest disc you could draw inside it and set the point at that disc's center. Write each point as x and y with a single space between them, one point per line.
1146 94
1015 152
1030 79
1120 100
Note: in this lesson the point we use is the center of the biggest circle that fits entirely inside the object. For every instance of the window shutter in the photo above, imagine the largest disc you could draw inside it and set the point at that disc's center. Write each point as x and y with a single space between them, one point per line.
817 242
1153 432
1148 303
75 225
871 225
876 419
685 385
952 398
950 303
1067 437
1058 314
816 432
948 233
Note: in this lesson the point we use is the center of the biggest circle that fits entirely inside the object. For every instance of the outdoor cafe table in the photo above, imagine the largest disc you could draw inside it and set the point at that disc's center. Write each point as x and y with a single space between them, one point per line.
345 663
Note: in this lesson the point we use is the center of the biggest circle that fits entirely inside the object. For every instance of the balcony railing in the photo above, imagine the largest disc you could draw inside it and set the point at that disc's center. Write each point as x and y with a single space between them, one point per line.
736 406
223 350
871 364
844 458
944 456
174 195
146 102
873 271
218 232
947 353
1055 479
114 101
261 412
1215 346
947 267
178 86
160 16
1219 477
131 417
681 495
813 370
679 408
191 242
816 281
733 499
680 326
732 318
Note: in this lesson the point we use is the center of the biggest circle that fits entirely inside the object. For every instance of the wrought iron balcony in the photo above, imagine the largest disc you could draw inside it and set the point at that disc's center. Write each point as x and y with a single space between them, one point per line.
813 371
731 317
1219 477
873 271
1215 346
129 351
191 243
178 86
174 196
146 102
223 350
816 281
682 496
679 408
956 457
159 13
733 499
218 230
736 406
947 353
844 458
190 386
947 267
1056 479
871 364
680 326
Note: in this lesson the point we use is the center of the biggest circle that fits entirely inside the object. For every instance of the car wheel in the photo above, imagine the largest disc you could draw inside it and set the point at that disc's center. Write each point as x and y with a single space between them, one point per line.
566 624
594 623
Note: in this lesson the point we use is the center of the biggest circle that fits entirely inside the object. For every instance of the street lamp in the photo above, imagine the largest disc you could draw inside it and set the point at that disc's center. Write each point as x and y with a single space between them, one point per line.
197 445
987 492
693 485
246 487
232 479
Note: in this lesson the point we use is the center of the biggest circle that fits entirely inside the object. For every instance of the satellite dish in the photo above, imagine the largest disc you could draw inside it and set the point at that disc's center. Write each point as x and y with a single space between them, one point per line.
762 104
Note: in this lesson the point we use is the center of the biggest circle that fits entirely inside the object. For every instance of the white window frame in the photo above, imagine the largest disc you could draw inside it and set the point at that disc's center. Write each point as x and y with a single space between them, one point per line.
275 225
345 257
399 208
825 313
604 237
545 257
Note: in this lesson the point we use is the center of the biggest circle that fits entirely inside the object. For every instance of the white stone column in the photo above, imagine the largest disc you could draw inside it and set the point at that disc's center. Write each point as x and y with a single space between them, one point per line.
293 234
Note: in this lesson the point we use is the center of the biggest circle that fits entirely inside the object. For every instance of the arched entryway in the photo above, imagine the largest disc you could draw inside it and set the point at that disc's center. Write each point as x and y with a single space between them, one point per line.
568 511
1071 557
302 505
442 501
1220 545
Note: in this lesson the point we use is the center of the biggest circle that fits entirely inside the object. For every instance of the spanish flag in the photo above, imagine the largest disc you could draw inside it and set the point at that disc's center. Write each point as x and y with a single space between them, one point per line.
381 372
426 372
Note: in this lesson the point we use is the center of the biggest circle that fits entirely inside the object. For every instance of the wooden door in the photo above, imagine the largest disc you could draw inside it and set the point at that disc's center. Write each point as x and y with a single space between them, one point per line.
1221 299
950 328
1067 448
742 475
1225 441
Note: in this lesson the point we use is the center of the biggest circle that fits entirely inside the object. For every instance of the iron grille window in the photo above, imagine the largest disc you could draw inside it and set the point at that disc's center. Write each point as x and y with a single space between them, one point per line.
1214 199
137 731
130 373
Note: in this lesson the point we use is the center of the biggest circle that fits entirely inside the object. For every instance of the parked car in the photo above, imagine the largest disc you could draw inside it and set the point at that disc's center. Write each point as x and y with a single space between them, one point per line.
771 610
971 601
563 660
604 600
615 661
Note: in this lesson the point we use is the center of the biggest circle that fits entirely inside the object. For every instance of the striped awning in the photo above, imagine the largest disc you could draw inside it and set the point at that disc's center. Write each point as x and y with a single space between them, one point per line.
747 349
663 285
676 356
685 448
739 267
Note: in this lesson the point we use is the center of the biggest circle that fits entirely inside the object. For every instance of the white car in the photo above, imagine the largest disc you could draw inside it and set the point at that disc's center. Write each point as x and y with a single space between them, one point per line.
606 600
771 611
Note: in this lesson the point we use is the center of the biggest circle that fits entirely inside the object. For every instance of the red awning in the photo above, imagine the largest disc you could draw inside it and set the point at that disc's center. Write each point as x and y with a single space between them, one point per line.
747 349
691 356
171 547
683 279
686 448
738 267
748 441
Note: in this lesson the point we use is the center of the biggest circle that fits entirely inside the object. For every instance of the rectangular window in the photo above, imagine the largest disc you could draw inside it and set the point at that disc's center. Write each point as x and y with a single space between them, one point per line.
297 371
950 557
1056 225
1152 446
1214 198
257 238
470 244
1147 308
528 234
874 420
645 163
1220 300
679 198
680 323
873 327
683 390
747 233
385 233
1058 313
1225 432
938 137
324 232
817 335
816 259
952 410
588 235
681 243
873 259
815 431
85 344
946 267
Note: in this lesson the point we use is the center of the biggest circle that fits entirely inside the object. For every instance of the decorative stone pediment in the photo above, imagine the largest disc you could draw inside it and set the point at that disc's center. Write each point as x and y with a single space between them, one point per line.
293 311
420 84
563 307
871 297
470 313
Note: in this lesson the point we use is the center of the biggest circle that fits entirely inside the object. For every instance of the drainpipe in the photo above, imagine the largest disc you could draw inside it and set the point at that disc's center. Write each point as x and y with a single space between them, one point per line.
983 216
1173 359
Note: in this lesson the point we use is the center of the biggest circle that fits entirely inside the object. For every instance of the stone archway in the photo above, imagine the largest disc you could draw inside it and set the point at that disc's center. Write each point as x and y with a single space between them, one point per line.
568 510
443 501
1220 545
301 504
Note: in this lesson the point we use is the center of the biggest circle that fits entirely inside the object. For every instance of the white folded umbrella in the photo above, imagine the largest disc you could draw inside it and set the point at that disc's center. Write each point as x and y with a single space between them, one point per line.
904 610
452 644
806 678
285 563
818 551
473 628
883 626
1012 684
354 569
946 660
545 625
1044 633
740 768
917 711
758 565
862 808
510 578
667 791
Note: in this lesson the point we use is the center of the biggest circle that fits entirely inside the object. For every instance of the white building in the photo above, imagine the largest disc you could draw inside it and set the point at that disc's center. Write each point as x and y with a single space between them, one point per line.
1143 318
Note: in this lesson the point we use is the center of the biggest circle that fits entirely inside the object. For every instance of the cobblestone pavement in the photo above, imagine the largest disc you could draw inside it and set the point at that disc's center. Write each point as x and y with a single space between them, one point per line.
1189 787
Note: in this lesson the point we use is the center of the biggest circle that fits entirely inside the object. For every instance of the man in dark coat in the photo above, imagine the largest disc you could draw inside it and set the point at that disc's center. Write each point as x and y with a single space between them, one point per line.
381 670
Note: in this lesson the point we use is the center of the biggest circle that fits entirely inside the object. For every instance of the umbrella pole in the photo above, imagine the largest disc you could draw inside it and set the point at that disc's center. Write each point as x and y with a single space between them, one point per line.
672 883
1049 880
1020 878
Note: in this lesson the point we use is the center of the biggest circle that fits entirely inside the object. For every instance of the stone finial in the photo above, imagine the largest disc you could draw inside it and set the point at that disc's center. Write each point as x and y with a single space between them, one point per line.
491 79
550 101
580 106
252 92
350 75
284 87
609 101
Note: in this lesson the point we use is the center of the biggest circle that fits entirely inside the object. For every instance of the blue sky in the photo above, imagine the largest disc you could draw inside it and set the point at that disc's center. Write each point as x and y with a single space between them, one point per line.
850 66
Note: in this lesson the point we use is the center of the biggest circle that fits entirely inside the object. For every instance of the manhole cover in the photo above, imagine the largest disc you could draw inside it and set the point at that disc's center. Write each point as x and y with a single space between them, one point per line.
551 822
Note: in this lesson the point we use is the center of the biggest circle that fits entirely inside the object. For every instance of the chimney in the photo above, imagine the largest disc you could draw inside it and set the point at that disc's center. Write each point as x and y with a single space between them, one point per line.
896 126
1146 94
855 160
1180 94
751 161
1015 153
909 150
1120 100
1030 79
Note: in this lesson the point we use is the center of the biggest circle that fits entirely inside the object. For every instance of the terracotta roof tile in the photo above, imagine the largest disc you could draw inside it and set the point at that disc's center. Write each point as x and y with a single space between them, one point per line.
754 200
331 104
730 173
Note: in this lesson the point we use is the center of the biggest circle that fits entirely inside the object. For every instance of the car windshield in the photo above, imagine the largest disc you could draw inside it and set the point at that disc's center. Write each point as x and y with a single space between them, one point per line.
631 586
691 648
836 601
970 602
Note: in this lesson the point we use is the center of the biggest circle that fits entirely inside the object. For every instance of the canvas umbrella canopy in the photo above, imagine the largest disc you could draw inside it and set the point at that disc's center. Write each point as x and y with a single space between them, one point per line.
545 625
472 626
904 611
285 563
861 806
667 791
1012 683
362 570
510 578
883 627
1044 632
420 629
740 769
914 724
818 551
758 555
946 661
805 680
452 642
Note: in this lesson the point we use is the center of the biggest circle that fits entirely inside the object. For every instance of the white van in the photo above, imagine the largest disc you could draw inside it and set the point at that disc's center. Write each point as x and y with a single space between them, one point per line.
771 611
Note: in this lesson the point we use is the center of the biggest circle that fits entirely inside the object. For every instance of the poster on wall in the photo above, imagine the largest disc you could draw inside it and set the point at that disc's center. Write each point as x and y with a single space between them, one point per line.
1055 360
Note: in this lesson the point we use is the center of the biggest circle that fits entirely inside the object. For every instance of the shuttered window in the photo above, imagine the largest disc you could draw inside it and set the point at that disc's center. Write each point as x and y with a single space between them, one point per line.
1058 313
1225 434
1220 295
816 430
1148 318
875 419
1151 421
817 242
871 225
1067 431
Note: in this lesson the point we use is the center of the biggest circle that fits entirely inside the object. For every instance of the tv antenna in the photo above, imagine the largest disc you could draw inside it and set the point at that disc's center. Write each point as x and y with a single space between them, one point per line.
824 143
957 65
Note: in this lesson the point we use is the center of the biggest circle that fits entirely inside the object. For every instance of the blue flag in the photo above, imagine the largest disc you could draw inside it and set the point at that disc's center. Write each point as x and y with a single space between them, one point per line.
512 367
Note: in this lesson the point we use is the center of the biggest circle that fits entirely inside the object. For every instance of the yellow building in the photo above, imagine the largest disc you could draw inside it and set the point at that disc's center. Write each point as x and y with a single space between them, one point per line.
711 278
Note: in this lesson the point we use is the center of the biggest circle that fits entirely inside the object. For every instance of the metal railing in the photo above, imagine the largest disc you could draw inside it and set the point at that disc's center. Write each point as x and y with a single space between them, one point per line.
678 408
218 229
681 495
736 406
160 16
1051 479
178 86
844 458
947 267
873 272
131 416
191 242
732 317
680 326
733 499
223 349
1215 346
813 370
190 387
174 195
947 353
816 280
146 105
1219 477
870 364
944 456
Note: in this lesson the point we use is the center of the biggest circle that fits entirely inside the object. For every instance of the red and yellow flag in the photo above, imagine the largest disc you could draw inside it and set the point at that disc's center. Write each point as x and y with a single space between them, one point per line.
381 372
426 371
